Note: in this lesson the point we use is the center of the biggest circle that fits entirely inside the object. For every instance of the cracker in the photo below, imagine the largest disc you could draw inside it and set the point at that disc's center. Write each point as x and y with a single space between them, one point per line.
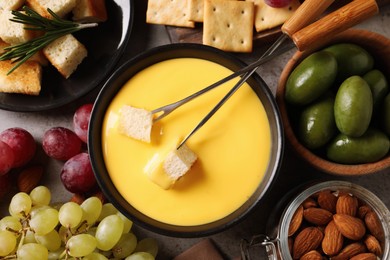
195 10
267 17
169 12
228 25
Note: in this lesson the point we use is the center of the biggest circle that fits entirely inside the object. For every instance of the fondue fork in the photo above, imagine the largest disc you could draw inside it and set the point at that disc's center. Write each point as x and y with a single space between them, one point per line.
305 14
304 35
167 109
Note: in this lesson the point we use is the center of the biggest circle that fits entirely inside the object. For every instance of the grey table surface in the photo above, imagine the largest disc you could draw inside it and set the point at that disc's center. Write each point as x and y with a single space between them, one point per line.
293 170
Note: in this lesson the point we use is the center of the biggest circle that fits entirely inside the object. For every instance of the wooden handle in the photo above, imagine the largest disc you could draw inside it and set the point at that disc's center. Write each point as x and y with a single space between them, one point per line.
307 13
347 16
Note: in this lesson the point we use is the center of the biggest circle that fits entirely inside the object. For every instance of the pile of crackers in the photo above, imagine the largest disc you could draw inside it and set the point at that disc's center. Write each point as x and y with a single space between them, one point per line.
227 24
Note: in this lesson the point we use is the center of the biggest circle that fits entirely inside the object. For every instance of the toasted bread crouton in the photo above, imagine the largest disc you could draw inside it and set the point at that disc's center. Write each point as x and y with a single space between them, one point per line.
26 79
135 123
166 171
179 161
40 58
92 11
3 45
12 32
59 7
11 4
65 53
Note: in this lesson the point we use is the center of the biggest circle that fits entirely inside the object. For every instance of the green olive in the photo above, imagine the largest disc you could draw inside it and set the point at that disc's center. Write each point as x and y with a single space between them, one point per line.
378 84
351 59
370 147
317 125
353 106
311 78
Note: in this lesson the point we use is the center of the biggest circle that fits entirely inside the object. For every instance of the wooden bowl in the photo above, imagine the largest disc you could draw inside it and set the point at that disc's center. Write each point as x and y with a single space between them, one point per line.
379 47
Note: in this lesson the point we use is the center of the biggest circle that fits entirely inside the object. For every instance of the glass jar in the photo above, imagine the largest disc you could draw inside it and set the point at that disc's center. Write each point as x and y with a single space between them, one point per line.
276 242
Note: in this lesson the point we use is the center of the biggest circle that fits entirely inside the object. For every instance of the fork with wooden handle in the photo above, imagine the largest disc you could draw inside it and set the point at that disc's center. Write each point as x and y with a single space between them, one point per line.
304 33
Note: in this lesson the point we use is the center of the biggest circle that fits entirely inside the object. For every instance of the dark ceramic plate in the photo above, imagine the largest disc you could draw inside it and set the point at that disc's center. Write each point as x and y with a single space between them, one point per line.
105 44
114 85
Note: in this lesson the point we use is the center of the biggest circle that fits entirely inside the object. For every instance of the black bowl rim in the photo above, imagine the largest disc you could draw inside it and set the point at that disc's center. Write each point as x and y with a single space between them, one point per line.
110 89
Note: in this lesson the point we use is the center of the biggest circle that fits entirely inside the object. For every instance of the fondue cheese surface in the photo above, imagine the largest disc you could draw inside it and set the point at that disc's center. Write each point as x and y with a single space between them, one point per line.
233 147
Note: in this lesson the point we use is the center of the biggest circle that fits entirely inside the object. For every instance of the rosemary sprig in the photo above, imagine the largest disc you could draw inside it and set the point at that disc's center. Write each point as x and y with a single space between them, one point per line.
53 28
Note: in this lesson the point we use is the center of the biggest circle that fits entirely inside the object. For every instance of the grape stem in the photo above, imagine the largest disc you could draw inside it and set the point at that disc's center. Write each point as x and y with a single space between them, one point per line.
22 238
63 254
9 257
13 230
79 231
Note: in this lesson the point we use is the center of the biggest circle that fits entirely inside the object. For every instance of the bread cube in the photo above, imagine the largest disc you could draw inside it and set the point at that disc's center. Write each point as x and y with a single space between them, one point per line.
65 53
179 161
11 4
12 32
175 165
26 79
136 123
3 45
90 11
40 58
59 7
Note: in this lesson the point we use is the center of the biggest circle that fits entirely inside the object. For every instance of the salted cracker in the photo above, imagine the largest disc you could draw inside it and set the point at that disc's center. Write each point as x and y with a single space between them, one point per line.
228 25
169 12
267 17
195 10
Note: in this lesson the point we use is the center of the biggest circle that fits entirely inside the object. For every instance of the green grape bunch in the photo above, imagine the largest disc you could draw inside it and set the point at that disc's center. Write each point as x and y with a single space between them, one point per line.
36 230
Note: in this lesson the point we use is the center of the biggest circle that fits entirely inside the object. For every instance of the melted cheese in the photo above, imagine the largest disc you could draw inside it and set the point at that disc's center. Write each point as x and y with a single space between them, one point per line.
233 147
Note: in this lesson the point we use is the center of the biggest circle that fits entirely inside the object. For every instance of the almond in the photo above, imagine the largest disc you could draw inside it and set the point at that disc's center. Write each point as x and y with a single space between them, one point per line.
373 245
29 178
308 239
347 204
333 240
327 200
351 227
364 256
309 203
296 221
374 225
312 255
350 251
363 210
317 216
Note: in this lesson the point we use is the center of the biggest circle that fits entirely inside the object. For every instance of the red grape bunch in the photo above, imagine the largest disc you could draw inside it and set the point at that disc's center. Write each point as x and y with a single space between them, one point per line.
17 148
67 145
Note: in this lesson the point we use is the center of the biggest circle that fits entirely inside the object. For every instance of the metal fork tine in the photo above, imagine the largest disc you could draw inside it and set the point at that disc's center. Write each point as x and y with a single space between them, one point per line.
220 103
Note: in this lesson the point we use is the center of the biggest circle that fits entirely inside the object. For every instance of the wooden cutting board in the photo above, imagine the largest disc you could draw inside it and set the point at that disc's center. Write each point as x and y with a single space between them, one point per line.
194 35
